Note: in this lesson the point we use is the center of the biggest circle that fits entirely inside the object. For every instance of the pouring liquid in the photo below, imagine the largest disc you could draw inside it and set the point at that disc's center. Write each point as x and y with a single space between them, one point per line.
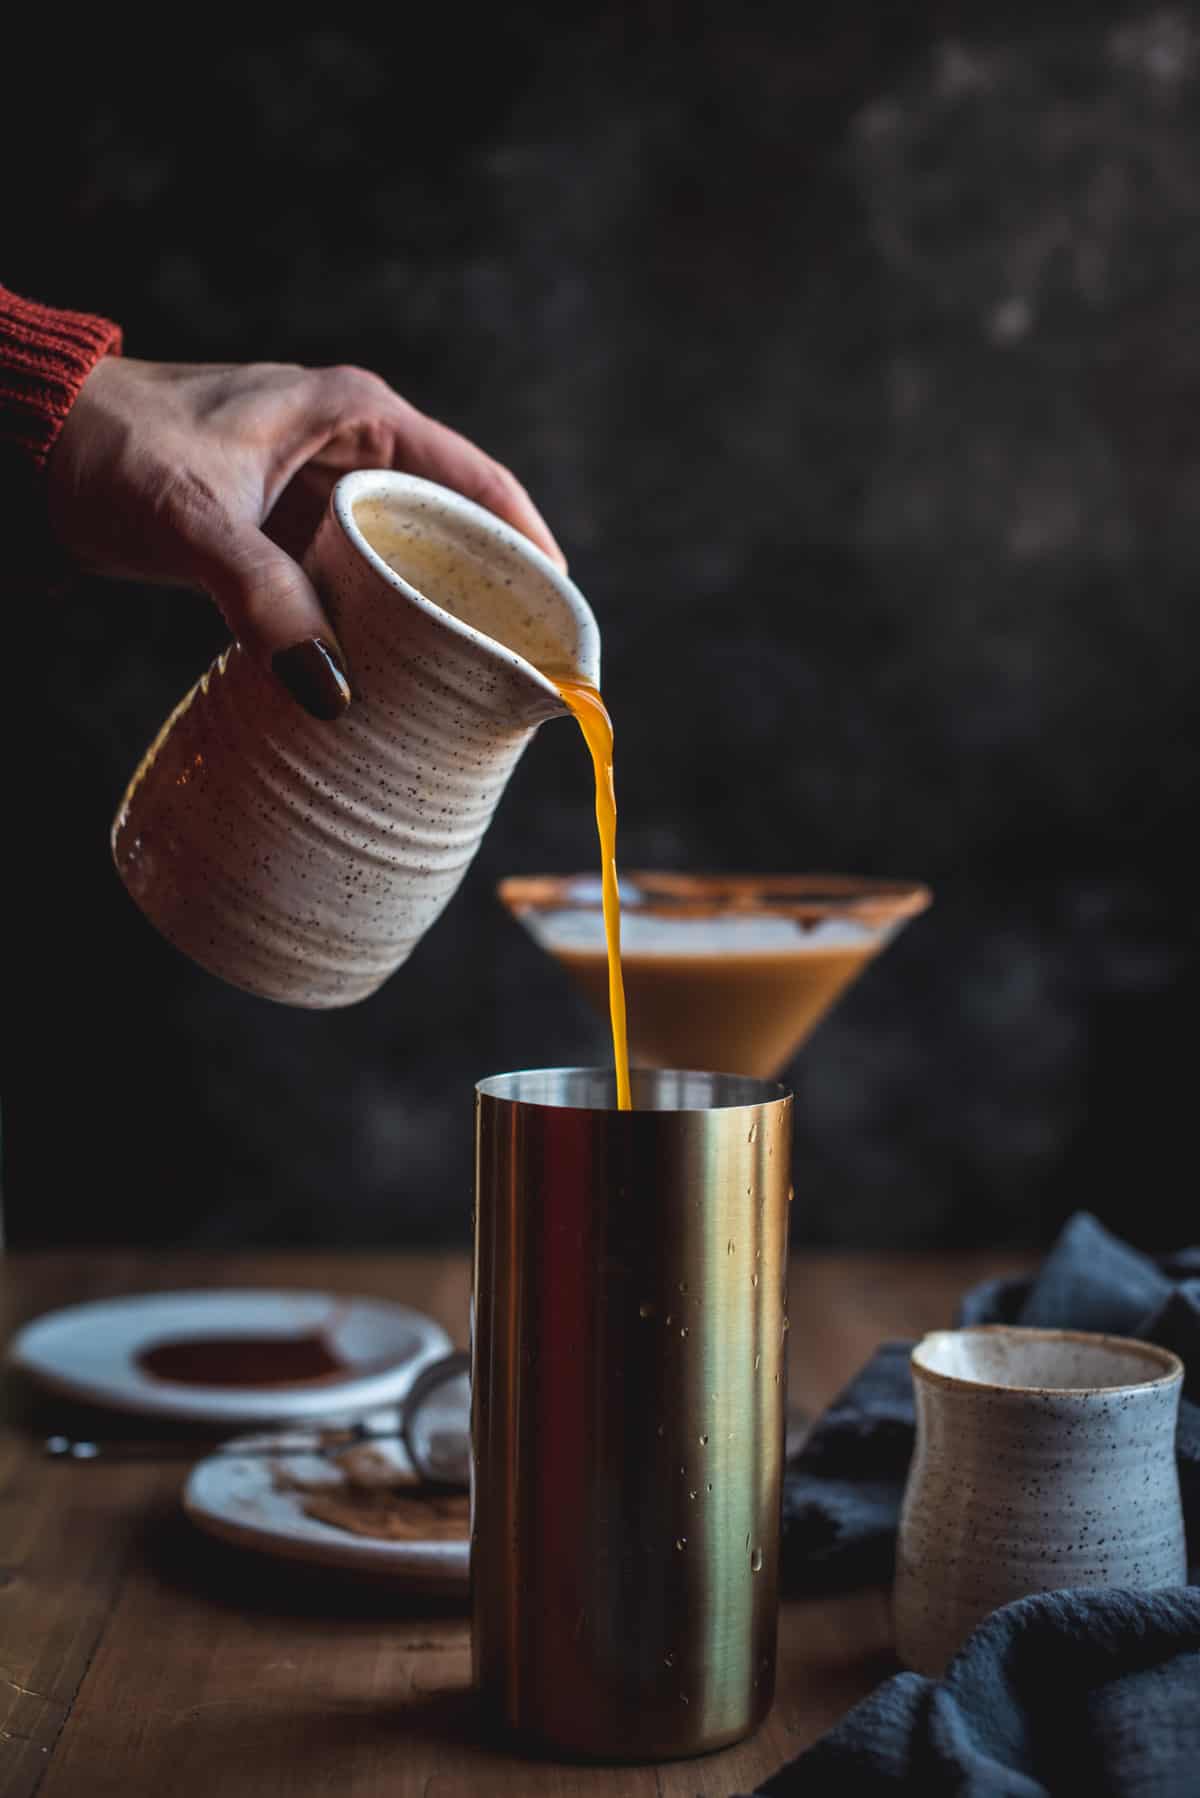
590 713
465 587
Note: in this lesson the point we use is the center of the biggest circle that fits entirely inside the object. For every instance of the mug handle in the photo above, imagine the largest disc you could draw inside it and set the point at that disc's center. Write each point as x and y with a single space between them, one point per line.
430 1380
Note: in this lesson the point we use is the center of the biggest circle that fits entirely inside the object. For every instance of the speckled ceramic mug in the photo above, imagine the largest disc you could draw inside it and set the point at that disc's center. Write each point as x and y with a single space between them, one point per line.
1044 1459
303 861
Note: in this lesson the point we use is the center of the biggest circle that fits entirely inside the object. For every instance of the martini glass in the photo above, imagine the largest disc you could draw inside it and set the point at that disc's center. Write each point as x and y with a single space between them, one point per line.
725 972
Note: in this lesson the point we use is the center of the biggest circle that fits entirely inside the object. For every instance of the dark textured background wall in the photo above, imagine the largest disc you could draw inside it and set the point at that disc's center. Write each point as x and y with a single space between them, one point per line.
856 364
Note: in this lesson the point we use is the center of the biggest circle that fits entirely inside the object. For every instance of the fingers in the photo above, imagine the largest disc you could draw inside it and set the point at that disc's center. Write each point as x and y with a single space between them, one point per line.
440 454
272 609
370 425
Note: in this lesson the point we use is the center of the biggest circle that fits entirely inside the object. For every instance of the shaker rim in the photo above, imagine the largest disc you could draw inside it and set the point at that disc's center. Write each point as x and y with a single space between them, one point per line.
741 1092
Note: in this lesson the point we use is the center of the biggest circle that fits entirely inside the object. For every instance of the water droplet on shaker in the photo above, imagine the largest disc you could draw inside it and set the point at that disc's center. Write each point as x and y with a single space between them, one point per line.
757 1362
661 1430
754 1279
668 1320
791 1194
683 1330
729 1246
692 1493
683 1286
753 1133
708 1488
681 1543
704 1441
756 1561
668 1660
645 1309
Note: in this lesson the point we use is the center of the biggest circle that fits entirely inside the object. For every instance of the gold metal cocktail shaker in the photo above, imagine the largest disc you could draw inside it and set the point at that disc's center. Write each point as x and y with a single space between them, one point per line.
627 1393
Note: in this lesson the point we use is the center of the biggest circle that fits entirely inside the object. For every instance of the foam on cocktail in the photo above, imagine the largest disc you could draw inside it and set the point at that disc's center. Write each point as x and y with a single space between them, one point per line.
649 933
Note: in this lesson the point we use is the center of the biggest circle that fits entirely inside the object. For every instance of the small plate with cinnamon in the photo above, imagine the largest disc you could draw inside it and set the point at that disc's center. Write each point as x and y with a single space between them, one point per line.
361 1507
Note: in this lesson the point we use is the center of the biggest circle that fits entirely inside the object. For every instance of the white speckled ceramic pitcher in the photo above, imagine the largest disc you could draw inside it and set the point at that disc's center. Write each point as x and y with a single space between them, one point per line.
302 860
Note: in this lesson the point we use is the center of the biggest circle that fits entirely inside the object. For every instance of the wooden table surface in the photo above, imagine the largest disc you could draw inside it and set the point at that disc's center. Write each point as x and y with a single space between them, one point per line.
139 1657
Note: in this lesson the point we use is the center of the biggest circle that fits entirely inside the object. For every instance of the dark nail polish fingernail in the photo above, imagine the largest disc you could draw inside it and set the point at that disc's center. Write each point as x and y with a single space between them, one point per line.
313 674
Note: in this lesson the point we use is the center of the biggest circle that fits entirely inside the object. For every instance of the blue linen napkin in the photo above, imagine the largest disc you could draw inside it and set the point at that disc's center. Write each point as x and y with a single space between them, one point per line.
1088 1691
1066 1695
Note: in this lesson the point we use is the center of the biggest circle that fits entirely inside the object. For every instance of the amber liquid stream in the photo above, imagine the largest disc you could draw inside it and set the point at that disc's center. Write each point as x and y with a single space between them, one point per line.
590 713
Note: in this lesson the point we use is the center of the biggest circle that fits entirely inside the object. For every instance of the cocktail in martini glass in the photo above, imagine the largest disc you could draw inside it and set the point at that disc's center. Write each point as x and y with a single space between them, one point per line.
730 973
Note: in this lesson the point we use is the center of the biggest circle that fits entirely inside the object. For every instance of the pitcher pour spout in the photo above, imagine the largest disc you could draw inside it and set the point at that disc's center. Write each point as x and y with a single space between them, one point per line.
300 860
514 623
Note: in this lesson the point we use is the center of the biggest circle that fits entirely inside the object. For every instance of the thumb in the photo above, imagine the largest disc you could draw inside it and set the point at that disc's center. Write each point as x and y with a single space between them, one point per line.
273 610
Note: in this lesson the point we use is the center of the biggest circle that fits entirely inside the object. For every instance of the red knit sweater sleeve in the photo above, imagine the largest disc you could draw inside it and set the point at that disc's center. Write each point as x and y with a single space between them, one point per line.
46 354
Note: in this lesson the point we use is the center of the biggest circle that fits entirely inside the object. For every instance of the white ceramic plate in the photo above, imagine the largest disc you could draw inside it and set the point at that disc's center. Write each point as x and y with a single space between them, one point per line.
238 1499
90 1352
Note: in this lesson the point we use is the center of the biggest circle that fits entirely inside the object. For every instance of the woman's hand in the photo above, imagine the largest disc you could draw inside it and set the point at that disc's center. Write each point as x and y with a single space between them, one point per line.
216 478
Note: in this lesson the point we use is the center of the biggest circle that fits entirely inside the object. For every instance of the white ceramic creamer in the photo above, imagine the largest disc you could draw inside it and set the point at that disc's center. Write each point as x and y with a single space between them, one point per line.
1044 1459
303 860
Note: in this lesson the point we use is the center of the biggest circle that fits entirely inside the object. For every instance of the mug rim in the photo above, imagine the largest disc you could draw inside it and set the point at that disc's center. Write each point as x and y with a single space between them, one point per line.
362 483
1168 1363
